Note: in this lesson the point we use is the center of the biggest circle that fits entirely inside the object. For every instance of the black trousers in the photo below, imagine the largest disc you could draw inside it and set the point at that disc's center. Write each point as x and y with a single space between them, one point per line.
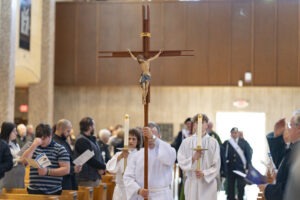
232 178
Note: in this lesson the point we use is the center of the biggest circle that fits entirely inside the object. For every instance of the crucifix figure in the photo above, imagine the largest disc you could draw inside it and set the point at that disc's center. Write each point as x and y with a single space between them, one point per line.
145 76
144 57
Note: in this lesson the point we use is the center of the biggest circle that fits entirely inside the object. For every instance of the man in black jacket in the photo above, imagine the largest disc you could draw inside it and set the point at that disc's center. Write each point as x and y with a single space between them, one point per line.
182 134
238 155
62 132
277 190
92 170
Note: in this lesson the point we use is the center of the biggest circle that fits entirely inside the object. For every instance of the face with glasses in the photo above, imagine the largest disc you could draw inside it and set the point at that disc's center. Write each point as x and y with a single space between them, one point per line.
291 125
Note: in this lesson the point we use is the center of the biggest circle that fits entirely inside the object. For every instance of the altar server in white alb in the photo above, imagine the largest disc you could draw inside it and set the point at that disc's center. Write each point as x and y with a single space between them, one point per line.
116 163
161 159
200 183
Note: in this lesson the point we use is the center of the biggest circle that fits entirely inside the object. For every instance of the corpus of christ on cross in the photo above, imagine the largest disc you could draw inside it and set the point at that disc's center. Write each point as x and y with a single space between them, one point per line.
144 57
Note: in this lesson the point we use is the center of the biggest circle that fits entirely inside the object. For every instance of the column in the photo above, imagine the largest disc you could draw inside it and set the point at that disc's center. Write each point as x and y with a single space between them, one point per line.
7 59
41 95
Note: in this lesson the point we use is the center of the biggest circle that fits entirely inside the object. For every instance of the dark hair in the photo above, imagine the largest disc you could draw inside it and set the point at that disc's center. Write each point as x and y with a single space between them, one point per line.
138 136
85 124
54 129
234 129
6 129
204 118
187 120
43 130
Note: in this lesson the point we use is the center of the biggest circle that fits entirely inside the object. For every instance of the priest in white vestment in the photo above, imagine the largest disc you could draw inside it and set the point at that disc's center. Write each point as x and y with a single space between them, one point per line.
116 164
200 184
161 159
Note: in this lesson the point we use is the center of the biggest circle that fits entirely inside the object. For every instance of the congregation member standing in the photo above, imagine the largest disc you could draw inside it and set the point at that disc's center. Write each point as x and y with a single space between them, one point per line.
200 183
277 190
6 161
22 133
29 133
62 132
47 180
182 134
15 177
278 142
103 137
91 172
238 156
212 133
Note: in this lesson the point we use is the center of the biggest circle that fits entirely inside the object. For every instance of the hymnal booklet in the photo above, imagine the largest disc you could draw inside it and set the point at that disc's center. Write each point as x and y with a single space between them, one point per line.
84 157
41 161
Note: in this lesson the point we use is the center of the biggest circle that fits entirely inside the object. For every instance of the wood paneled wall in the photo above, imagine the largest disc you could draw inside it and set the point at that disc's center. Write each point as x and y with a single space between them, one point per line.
107 105
229 39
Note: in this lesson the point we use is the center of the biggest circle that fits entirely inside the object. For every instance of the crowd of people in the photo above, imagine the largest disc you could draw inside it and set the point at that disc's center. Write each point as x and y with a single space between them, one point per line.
203 171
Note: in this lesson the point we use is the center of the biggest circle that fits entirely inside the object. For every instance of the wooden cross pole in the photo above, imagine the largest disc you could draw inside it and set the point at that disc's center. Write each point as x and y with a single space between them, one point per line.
147 53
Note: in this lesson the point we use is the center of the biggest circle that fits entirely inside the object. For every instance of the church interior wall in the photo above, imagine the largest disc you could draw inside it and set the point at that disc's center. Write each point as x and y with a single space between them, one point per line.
170 105
229 38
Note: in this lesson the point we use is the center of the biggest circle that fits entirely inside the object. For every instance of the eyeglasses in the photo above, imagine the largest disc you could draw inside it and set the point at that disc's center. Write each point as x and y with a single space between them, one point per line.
290 124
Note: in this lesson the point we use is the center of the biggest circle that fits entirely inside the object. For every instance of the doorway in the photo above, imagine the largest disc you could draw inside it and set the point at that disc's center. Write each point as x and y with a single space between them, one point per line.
253 126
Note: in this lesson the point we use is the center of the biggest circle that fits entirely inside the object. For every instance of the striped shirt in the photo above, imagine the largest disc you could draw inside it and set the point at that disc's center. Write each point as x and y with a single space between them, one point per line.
48 184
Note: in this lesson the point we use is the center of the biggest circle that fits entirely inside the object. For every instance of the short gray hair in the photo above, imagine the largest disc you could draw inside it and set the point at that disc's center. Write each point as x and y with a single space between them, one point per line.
104 133
154 125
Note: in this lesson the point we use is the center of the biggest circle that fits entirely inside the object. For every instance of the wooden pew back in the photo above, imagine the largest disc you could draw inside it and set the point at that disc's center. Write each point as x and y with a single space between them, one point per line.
110 183
28 197
88 193
66 194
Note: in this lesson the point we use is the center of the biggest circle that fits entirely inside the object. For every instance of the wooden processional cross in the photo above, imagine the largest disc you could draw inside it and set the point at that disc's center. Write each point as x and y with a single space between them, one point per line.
147 54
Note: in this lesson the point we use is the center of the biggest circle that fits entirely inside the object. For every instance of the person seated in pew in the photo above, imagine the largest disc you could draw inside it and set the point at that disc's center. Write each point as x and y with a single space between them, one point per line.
47 180
116 163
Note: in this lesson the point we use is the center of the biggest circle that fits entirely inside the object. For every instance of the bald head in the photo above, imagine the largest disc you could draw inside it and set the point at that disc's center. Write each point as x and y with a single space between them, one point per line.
63 128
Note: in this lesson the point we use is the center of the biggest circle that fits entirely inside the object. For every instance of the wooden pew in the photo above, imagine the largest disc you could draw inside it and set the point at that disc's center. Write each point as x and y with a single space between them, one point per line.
100 192
86 193
110 183
28 197
15 191
69 194
66 194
